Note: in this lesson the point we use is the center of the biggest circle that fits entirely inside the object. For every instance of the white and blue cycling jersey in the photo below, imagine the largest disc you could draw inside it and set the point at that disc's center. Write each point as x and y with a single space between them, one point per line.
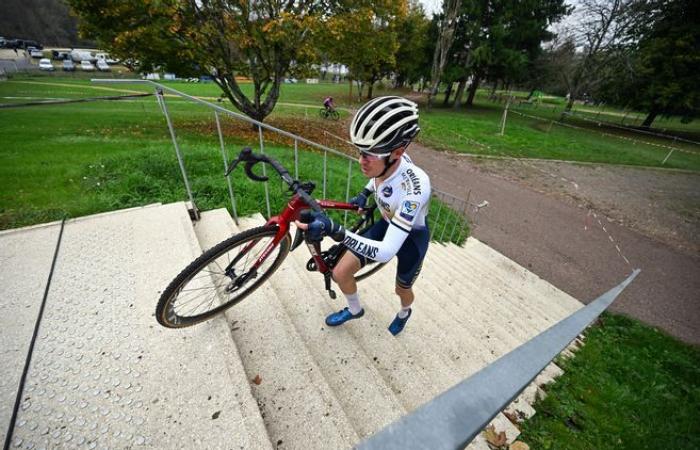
403 200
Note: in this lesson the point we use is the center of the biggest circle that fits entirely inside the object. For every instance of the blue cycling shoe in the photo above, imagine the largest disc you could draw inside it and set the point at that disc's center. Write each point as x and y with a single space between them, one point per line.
342 316
397 325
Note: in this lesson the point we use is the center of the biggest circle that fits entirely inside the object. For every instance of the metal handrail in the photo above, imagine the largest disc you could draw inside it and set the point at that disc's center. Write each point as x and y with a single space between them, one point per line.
461 206
454 418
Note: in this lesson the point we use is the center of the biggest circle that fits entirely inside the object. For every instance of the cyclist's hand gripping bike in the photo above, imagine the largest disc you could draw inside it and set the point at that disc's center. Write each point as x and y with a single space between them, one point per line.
227 273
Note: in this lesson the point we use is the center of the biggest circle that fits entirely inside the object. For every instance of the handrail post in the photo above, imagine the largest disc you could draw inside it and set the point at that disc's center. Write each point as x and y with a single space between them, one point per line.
437 219
325 169
347 190
296 159
161 100
228 177
267 189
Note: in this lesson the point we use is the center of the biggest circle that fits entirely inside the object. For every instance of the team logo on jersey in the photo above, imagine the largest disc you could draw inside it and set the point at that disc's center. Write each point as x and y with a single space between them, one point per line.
409 209
387 191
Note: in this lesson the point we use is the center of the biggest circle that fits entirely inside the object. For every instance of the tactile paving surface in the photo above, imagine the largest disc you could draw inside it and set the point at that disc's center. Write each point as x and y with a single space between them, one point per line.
25 262
104 374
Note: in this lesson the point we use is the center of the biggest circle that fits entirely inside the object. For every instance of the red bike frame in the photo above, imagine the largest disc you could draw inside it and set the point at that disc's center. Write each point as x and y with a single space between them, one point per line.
291 213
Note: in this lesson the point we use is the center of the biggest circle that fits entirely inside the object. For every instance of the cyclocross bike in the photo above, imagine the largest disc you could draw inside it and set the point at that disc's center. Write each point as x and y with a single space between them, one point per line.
233 269
331 114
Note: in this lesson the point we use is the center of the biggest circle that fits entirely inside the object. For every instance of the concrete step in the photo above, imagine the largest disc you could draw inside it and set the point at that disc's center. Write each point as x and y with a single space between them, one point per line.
299 407
453 353
501 309
520 276
104 373
365 395
478 272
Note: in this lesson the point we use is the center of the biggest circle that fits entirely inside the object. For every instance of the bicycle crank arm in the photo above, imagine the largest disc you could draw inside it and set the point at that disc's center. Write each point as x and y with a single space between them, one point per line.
327 279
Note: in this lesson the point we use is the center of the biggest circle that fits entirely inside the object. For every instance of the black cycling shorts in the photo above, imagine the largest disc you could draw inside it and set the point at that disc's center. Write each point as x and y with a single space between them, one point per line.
410 255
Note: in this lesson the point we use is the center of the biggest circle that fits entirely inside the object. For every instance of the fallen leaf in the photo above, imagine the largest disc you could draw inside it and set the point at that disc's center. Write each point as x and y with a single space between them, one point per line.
519 446
257 380
497 440
513 417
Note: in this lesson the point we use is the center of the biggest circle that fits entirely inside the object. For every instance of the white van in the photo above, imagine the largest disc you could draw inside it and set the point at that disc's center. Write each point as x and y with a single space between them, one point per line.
81 55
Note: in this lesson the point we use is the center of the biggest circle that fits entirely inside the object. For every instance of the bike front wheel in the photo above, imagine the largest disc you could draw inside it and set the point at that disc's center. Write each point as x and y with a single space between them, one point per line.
335 115
221 277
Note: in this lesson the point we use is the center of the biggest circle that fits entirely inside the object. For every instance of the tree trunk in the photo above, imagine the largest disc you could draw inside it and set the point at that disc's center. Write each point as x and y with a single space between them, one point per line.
494 88
569 104
655 110
460 93
370 89
472 92
450 9
448 92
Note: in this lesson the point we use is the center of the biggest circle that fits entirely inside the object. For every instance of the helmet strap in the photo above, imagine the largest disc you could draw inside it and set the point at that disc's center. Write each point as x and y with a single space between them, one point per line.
387 165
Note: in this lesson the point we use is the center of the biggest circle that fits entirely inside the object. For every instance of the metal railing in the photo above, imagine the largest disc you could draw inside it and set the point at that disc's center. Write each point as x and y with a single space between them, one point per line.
454 418
451 219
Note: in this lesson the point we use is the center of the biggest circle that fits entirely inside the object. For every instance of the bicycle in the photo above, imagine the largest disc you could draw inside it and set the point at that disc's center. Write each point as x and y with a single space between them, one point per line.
331 114
221 277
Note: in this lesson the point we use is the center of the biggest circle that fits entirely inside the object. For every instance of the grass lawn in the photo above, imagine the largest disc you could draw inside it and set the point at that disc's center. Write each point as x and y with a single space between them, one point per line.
82 158
477 131
629 387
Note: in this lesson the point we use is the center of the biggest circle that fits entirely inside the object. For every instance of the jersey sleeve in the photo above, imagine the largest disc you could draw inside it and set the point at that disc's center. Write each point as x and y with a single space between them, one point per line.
380 251
410 208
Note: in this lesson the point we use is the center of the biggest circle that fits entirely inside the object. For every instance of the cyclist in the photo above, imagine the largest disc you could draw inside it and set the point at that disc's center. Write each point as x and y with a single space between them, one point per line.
381 130
328 104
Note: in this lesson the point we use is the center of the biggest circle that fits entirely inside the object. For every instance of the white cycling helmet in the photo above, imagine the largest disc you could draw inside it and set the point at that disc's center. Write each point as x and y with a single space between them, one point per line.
384 124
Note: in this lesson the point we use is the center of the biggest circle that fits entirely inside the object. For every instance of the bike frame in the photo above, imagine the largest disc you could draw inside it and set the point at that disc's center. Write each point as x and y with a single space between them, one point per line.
291 213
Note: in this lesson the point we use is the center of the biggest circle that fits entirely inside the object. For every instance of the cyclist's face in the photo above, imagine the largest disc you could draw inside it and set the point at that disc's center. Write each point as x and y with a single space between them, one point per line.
372 165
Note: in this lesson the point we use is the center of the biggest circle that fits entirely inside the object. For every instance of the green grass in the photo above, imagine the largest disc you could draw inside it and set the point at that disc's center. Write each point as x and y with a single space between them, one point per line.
629 387
83 158
477 131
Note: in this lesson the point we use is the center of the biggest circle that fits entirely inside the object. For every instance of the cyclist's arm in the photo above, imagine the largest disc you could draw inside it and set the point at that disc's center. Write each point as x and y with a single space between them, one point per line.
399 228
380 251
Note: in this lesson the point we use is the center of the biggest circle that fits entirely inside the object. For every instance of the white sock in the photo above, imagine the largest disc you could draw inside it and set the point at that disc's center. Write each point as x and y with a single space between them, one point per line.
403 312
354 303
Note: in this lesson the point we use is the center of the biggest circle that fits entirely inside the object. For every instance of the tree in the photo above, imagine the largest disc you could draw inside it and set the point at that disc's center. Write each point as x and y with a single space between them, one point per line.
601 33
223 38
448 23
505 35
363 35
659 73
413 33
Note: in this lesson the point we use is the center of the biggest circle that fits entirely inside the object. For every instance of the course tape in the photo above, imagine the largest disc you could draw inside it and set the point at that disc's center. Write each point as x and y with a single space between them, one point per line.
636 141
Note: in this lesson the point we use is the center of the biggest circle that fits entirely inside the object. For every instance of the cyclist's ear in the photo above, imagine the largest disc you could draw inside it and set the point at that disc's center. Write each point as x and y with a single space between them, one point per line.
397 153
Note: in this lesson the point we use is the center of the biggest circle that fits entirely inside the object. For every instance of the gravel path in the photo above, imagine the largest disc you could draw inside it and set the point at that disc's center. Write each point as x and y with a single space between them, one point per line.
545 217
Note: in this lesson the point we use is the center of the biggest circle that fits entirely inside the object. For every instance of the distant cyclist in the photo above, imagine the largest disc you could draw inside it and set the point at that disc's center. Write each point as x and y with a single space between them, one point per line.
328 104
381 130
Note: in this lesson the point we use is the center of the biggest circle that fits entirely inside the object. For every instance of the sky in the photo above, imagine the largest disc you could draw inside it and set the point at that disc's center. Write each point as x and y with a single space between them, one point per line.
431 6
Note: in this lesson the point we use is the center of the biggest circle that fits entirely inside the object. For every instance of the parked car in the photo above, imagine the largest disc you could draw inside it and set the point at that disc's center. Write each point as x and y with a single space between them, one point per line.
45 64
68 65
105 56
35 52
87 66
102 65
60 55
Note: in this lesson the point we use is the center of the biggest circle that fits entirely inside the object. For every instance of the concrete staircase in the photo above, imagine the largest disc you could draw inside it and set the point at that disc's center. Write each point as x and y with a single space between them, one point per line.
267 374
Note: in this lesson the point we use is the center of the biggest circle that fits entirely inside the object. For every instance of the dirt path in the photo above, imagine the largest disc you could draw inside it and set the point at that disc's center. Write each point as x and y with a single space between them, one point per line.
540 214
